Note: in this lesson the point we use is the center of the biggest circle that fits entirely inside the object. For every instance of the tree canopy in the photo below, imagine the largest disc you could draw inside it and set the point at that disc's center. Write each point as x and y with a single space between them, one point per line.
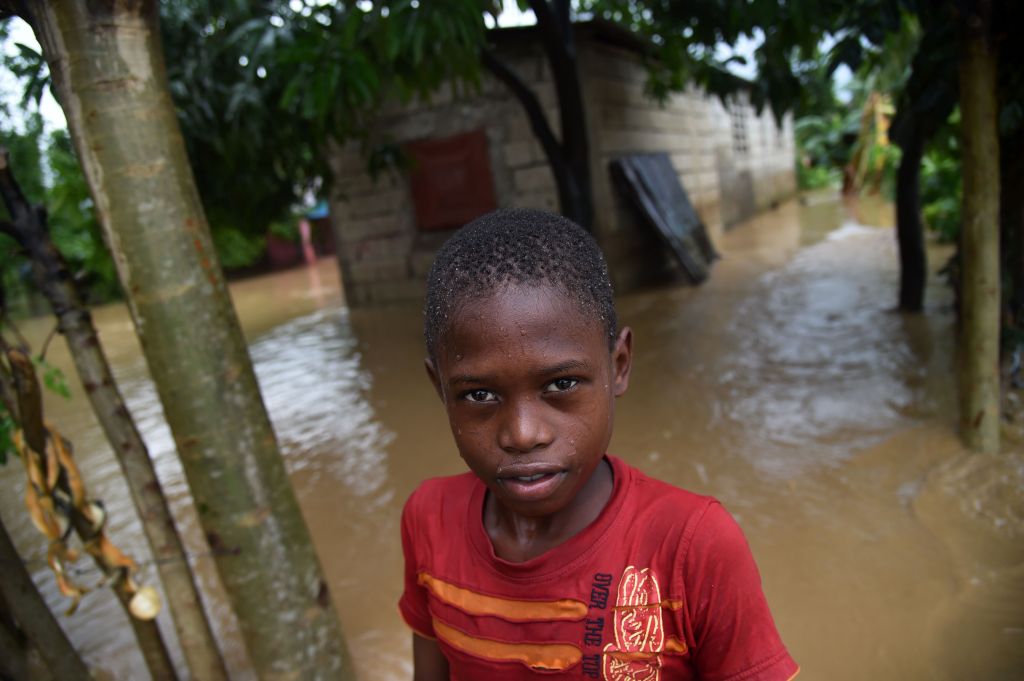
260 91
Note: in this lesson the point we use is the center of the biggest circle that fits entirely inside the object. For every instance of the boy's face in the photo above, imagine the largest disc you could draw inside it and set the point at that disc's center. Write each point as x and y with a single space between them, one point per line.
530 385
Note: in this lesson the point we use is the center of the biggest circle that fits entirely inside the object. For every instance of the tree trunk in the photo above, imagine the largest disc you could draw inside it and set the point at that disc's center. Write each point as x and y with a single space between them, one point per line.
29 228
27 607
979 249
107 66
909 232
570 158
575 195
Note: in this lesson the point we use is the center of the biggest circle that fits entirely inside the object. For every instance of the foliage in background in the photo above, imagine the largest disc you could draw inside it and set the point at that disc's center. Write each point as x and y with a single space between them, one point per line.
73 225
287 229
874 158
850 133
941 186
49 174
823 143
833 134
260 89
683 39
228 110
24 147
263 89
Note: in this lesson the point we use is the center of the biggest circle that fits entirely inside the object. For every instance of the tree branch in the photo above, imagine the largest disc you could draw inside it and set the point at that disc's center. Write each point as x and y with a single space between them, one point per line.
563 16
531 105
555 28
556 32
557 37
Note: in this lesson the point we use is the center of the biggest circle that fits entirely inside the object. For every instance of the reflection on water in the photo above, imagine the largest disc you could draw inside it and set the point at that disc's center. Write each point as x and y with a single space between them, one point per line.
316 357
786 386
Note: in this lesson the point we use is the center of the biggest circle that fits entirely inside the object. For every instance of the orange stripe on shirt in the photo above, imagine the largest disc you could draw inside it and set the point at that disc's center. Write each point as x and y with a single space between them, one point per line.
506 608
540 656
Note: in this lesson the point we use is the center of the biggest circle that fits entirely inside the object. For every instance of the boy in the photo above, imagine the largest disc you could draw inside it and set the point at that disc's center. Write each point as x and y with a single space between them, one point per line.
551 556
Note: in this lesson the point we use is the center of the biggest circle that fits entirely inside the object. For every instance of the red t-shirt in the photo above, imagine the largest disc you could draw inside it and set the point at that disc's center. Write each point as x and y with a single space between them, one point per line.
660 587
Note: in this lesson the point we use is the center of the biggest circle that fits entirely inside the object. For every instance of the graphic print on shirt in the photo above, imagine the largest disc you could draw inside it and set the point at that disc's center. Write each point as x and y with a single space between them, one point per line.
640 639
593 631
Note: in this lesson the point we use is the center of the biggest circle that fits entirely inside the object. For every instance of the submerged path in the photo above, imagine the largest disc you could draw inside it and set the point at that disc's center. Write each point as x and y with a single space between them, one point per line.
790 389
785 386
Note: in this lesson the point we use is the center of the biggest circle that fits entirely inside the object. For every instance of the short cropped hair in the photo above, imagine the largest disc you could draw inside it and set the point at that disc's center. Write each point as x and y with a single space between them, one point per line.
517 246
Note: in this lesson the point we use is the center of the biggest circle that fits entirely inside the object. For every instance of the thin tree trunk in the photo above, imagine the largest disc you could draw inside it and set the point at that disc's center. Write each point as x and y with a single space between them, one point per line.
979 334
569 158
107 66
541 128
909 232
557 36
34 618
29 228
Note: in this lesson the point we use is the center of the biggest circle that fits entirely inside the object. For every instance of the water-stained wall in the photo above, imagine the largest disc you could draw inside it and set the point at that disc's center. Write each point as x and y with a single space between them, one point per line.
731 163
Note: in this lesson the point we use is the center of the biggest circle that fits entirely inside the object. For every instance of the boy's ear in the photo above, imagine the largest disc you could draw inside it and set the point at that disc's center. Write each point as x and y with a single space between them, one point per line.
622 360
434 377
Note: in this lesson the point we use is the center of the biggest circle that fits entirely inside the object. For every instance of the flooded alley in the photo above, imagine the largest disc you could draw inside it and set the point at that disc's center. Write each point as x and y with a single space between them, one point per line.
786 386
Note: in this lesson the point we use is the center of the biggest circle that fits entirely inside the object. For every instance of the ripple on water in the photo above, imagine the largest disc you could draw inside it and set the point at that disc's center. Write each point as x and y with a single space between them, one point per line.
819 355
315 387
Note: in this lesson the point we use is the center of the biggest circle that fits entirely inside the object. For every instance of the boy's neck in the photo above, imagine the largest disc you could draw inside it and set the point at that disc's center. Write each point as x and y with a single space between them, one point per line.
517 538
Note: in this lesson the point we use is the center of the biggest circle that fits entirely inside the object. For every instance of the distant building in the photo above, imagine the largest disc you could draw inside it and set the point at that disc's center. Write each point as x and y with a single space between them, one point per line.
476 151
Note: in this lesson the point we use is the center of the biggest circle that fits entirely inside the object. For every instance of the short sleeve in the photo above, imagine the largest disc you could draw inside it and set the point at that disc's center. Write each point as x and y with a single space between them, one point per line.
733 630
413 604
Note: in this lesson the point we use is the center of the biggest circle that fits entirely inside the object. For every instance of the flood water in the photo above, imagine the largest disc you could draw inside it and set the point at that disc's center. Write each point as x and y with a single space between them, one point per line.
785 386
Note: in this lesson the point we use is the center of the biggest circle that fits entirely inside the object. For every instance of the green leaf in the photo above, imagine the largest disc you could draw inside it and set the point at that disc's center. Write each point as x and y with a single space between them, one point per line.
53 378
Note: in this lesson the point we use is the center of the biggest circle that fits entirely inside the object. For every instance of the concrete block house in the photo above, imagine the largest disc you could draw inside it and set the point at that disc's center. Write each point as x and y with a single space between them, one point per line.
475 152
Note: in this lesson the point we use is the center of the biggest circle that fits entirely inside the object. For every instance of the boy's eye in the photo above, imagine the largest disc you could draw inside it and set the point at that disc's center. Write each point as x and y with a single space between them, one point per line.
561 384
479 396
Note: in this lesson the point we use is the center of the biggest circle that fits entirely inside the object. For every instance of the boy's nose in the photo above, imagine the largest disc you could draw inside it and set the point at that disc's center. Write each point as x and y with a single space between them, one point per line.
523 429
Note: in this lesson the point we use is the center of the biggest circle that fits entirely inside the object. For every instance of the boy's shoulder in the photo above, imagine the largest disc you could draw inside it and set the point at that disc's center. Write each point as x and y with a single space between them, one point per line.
443 484
437 494
655 498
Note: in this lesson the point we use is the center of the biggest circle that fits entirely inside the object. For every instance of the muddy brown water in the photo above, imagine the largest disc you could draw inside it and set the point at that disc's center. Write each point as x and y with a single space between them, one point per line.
785 386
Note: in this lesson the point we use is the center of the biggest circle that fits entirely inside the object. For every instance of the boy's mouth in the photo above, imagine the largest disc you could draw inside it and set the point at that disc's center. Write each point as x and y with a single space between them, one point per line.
530 481
530 478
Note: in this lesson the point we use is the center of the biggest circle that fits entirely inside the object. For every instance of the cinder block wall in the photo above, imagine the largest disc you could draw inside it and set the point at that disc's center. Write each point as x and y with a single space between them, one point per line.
726 181
383 257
